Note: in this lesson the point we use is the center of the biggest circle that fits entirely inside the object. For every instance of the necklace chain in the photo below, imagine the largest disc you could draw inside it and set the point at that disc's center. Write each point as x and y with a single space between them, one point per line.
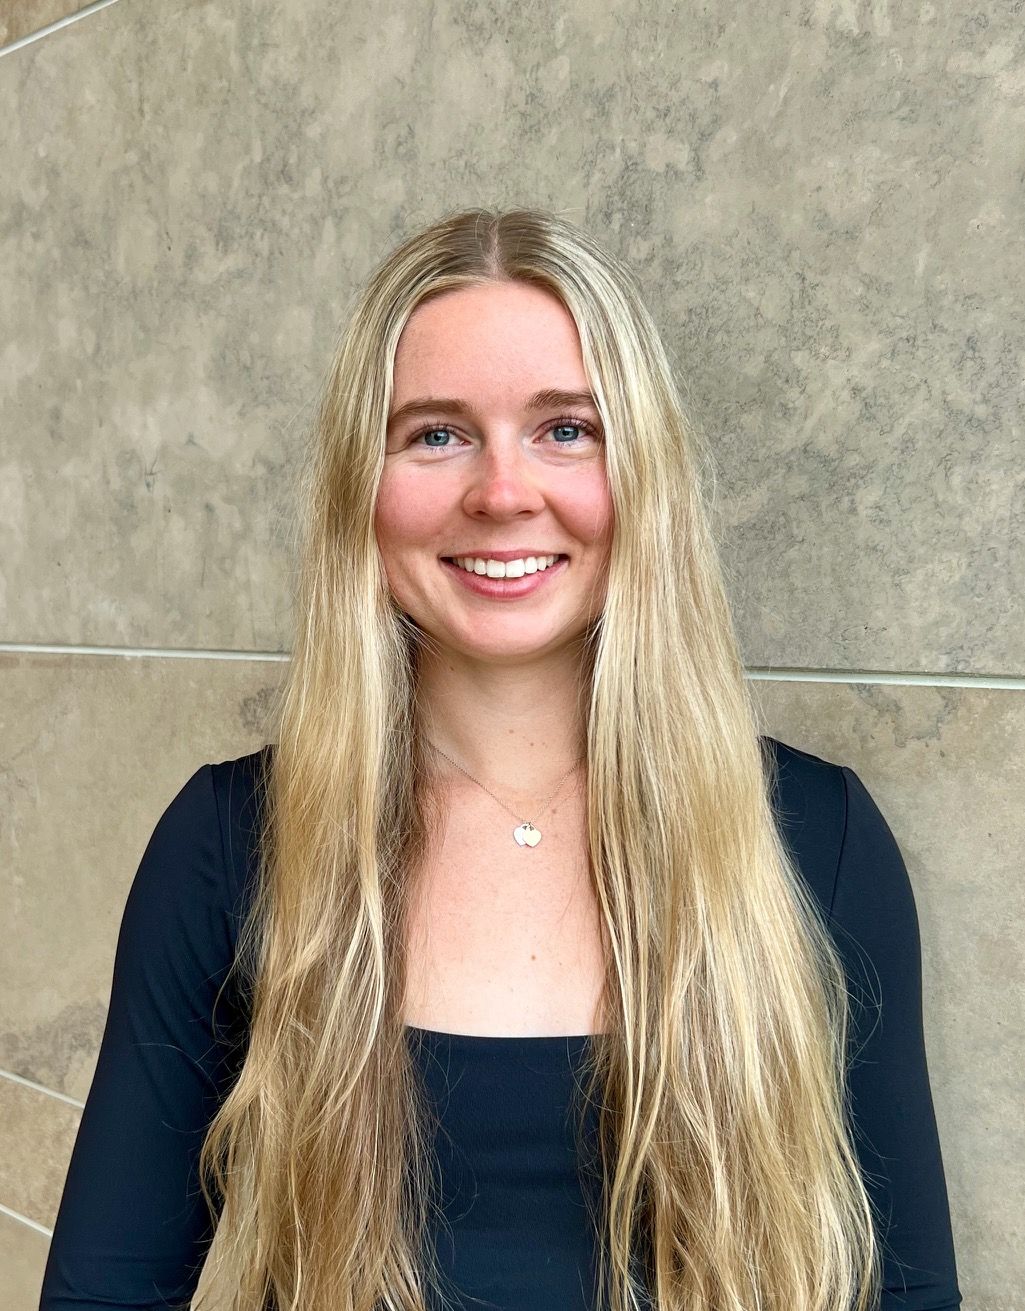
526 834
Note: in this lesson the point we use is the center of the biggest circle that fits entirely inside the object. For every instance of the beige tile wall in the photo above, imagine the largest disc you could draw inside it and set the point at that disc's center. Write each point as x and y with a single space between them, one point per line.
825 206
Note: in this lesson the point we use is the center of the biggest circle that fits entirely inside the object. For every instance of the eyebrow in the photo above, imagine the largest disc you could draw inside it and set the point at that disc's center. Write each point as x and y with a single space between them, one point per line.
548 399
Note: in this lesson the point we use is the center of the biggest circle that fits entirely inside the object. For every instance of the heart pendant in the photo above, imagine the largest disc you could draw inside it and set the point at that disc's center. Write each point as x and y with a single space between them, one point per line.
527 835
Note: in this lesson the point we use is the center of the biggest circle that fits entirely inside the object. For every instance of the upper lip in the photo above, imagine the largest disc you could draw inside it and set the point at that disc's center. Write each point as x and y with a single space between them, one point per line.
521 553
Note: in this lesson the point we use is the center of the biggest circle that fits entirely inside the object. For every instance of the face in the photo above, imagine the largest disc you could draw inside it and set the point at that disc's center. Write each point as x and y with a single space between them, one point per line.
479 463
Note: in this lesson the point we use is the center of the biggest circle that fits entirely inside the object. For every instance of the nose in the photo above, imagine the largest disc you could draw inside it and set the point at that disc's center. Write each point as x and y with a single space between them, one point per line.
502 480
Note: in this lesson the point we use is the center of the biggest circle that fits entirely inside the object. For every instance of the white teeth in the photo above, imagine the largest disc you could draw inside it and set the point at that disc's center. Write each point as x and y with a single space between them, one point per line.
504 568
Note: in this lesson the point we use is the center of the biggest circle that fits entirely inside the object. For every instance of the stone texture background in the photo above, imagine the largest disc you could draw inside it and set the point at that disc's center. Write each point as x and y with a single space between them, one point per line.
824 201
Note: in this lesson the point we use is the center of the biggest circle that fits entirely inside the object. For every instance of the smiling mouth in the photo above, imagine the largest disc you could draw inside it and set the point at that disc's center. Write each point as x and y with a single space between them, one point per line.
512 586
453 563
451 559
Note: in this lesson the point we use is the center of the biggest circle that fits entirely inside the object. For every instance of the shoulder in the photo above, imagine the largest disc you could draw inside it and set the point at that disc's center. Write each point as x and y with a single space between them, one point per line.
181 918
845 850
239 786
809 798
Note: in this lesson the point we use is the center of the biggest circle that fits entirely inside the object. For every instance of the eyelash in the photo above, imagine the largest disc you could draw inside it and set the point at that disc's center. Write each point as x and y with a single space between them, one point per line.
566 421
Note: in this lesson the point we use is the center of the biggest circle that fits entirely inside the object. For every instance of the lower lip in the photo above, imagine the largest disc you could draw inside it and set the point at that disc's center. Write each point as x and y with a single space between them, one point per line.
509 589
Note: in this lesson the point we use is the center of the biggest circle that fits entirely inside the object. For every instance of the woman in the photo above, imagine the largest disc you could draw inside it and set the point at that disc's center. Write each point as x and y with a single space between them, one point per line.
555 985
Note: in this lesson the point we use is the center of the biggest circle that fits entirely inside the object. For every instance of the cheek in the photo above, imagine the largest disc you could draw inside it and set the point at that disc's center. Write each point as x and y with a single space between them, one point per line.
406 515
589 511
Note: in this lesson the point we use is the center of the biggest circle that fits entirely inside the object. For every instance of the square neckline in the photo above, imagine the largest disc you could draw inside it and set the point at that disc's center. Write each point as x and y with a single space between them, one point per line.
497 1040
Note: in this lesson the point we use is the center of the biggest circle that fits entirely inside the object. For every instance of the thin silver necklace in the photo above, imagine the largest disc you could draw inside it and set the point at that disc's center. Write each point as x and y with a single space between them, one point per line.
525 834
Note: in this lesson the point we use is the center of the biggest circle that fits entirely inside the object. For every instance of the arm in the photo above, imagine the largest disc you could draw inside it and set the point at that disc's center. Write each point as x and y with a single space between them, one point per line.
133 1228
876 930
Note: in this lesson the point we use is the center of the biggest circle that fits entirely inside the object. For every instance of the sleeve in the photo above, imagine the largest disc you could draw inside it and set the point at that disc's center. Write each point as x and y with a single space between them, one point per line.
133 1228
890 1099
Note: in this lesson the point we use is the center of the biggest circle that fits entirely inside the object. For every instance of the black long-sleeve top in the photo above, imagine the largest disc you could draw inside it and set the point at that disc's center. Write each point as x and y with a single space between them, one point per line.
132 1229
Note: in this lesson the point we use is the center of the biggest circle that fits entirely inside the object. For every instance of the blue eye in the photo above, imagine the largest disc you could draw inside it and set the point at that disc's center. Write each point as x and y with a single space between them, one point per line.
570 424
563 423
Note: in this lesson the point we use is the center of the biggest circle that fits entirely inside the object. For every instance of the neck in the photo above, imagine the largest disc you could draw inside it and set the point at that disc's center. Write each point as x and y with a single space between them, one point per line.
514 726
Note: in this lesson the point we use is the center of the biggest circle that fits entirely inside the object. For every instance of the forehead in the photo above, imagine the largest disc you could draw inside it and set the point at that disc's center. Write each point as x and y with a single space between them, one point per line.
497 337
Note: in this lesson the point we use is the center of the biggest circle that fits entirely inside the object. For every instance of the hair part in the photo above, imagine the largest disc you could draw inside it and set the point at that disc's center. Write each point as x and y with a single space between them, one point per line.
728 1178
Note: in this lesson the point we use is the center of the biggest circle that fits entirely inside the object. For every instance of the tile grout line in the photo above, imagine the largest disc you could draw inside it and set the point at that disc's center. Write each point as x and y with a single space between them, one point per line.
140 652
770 674
895 678
23 1219
40 1087
55 26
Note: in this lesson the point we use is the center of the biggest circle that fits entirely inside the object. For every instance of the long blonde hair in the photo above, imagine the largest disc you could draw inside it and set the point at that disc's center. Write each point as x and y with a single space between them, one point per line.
729 1177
